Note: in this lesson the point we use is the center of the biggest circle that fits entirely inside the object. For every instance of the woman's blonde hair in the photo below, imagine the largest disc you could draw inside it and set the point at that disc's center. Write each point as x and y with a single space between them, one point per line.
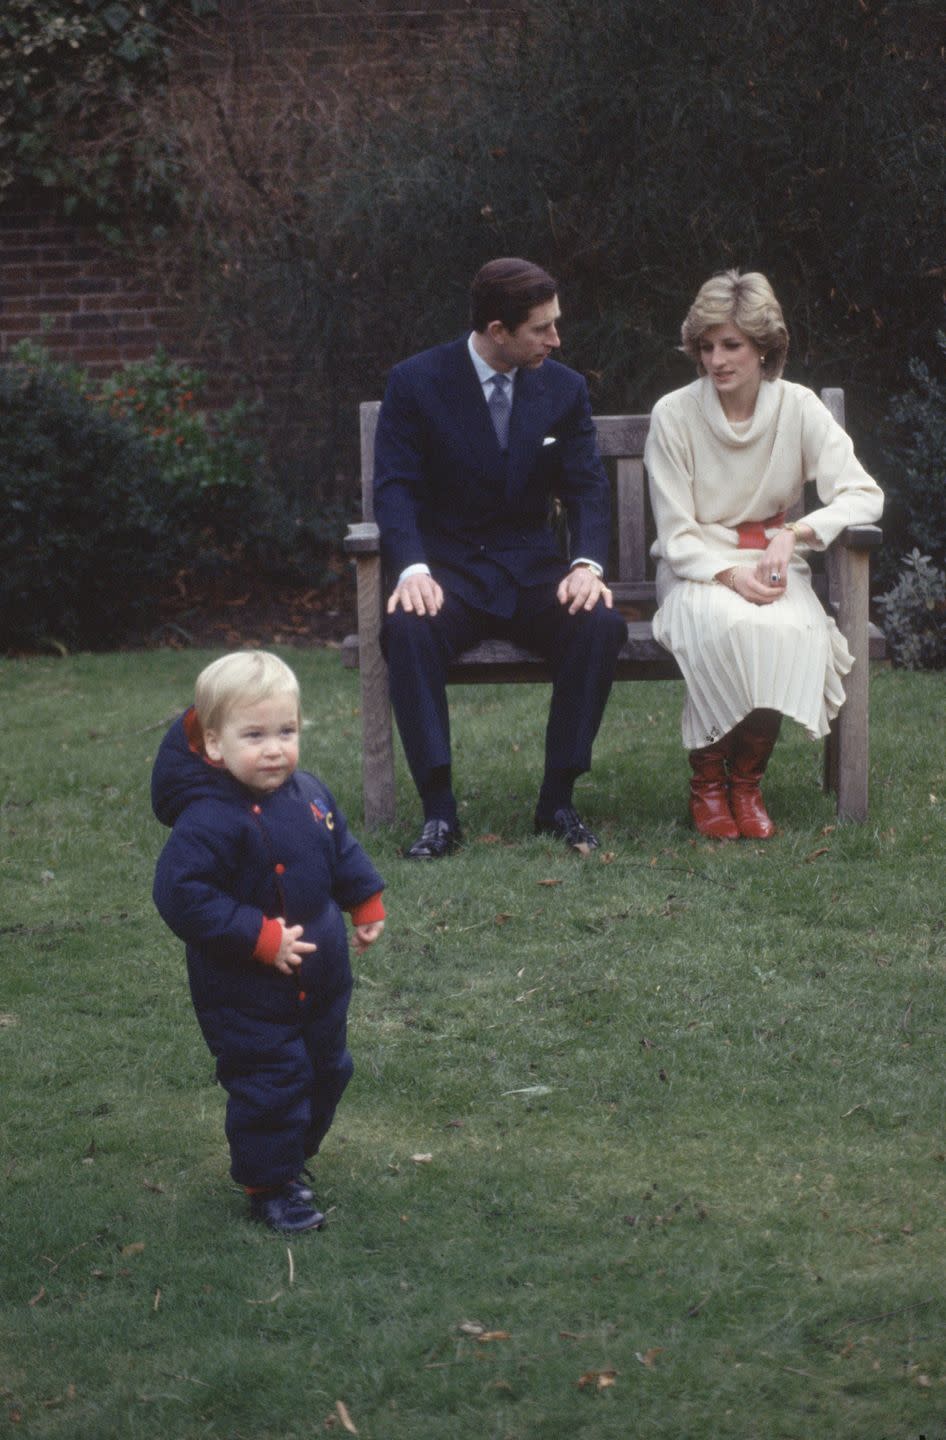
243 678
746 301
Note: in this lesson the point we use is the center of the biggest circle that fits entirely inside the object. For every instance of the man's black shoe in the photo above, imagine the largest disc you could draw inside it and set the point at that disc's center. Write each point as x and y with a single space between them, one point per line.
284 1211
566 824
437 839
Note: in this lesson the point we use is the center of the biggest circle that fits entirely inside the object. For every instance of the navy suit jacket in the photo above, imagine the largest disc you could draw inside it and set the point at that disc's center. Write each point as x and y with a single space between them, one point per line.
446 495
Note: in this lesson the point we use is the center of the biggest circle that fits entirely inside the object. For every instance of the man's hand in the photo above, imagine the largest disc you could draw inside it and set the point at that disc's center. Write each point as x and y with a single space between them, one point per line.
582 589
365 935
418 595
291 948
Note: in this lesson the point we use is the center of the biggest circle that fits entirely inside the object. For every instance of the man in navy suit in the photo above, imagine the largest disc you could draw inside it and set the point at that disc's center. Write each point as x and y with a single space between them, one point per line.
474 439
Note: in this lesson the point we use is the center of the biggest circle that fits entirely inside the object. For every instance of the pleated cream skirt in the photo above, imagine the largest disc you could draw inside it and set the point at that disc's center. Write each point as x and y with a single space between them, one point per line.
737 657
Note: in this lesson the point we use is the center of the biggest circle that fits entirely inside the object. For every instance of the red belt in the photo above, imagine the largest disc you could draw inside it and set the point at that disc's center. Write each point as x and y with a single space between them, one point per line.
752 532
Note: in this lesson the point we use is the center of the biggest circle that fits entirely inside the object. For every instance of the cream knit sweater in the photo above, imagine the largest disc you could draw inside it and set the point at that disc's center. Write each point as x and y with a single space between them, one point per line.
705 478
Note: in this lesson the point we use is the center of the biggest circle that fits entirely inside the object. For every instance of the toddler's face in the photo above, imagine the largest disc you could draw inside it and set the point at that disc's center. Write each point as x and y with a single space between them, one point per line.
258 744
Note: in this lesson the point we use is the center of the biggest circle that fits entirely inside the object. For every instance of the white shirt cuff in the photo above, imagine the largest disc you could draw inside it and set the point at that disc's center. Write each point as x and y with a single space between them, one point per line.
419 569
592 565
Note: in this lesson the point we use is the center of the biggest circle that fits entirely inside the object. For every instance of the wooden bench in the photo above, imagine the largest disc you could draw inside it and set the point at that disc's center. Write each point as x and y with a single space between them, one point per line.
844 587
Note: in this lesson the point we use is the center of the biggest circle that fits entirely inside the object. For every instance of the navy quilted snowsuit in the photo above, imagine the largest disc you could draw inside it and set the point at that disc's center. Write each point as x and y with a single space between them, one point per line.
233 861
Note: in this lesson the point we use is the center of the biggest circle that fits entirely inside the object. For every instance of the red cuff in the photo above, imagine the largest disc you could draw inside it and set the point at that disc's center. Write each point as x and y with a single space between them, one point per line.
268 942
368 911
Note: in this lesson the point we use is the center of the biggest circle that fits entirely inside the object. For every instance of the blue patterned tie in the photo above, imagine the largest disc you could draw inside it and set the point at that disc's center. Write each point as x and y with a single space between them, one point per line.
500 408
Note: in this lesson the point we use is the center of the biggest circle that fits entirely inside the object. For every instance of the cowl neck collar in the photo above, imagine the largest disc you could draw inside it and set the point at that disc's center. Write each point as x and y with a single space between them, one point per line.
765 407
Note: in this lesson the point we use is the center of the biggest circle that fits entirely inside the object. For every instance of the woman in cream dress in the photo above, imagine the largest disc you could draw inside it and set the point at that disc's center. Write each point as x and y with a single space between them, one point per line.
727 457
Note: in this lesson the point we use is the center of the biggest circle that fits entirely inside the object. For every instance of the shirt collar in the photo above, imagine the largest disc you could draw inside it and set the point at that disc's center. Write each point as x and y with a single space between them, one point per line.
485 372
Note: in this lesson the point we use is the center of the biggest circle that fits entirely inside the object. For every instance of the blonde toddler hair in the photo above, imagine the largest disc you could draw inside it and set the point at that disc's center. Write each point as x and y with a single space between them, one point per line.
242 678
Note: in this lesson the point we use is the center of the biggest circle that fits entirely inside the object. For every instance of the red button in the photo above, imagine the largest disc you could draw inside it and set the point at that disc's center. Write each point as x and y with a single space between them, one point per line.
257 810
280 869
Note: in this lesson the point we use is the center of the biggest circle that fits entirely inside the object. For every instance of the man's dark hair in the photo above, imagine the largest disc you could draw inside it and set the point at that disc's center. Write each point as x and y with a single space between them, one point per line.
508 290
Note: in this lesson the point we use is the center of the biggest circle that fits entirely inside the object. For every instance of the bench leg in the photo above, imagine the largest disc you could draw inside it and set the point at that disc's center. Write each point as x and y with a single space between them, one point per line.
851 741
377 740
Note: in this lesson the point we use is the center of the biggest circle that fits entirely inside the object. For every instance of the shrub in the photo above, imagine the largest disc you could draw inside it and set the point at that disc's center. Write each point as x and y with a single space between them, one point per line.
108 491
914 612
209 466
81 544
917 455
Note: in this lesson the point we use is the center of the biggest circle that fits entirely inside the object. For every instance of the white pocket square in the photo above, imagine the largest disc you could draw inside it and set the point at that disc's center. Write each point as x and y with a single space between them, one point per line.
550 440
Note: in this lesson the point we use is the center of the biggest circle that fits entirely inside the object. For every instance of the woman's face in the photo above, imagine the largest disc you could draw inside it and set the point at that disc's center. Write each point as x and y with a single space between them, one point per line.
733 362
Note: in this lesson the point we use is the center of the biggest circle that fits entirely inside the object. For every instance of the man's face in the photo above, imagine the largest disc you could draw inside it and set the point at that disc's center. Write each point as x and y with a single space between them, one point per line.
531 342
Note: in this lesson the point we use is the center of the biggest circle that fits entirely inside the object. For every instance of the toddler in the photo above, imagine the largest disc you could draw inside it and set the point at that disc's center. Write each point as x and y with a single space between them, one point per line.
258 867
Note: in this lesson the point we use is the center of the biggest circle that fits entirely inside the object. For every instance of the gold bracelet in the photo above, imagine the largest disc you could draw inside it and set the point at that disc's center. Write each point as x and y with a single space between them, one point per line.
795 527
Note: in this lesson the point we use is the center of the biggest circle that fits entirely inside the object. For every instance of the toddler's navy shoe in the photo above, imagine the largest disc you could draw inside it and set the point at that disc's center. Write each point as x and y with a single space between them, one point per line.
301 1186
285 1211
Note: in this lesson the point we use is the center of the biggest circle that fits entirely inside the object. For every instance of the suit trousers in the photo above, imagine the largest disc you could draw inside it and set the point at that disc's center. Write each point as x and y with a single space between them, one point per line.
581 650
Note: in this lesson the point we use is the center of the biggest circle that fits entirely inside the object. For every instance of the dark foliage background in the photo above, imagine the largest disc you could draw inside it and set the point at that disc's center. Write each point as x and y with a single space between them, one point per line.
634 149
317 231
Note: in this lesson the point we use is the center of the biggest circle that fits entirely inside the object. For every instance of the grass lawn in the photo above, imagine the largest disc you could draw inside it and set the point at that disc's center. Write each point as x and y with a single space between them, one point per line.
651 1144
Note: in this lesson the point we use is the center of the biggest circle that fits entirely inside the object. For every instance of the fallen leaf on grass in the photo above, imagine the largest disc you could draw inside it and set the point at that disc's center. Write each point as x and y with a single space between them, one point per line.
600 1379
649 1357
135 1248
151 1185
55 1401
40 1295
608 857
489 839
824 850
548 882
471 1327
341 1409
501 919
422 1159
489 1335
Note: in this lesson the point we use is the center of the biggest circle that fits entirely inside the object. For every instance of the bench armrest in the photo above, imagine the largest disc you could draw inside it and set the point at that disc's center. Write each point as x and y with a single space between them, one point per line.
364 538
861 537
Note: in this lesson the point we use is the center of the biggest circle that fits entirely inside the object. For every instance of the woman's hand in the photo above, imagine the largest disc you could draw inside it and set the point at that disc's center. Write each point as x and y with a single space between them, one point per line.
772 569
744 579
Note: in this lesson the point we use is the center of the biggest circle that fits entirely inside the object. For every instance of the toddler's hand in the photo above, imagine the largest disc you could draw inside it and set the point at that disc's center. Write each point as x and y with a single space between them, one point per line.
365 935
291 948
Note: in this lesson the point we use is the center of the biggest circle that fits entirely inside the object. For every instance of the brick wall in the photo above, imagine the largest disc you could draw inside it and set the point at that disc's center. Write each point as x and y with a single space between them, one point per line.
60 283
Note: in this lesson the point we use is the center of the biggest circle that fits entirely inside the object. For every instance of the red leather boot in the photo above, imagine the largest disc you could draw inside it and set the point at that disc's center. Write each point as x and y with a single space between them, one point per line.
709 791
752 747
